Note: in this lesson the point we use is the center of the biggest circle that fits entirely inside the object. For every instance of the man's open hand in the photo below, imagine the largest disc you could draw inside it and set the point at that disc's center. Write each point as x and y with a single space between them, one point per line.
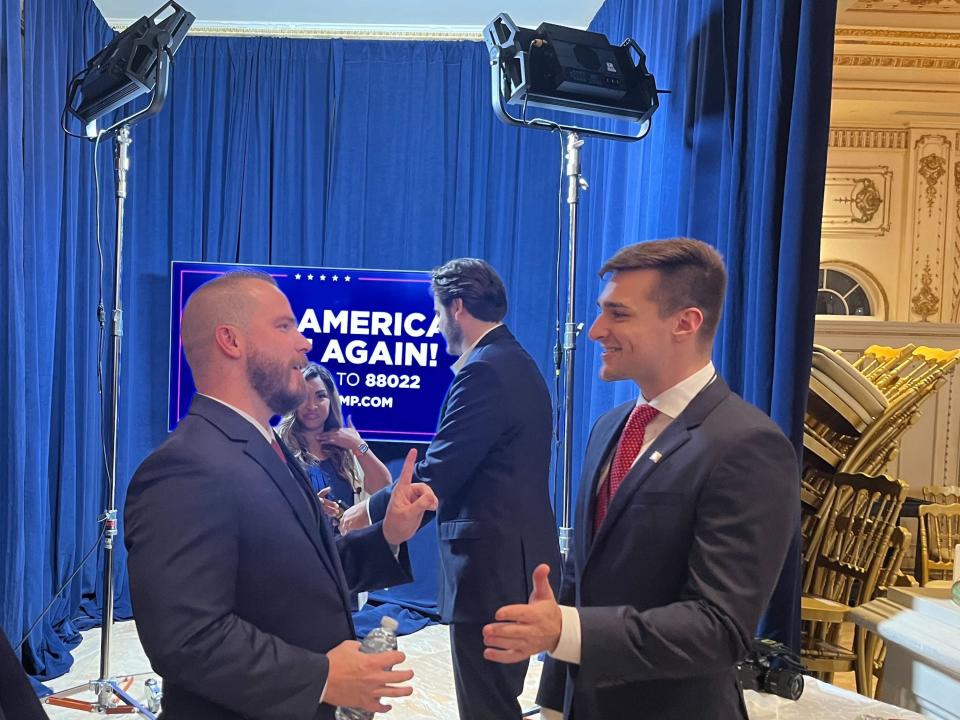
525 630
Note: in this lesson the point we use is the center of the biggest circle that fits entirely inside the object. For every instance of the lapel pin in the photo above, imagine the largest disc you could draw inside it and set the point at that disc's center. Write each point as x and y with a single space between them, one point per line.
655 456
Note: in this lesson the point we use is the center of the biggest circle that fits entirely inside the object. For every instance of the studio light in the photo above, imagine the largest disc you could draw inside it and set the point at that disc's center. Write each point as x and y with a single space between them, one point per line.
136 62
132 64
578 71
571 71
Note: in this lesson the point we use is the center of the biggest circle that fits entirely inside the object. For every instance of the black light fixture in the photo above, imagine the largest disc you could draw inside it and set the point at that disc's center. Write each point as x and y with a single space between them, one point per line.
134 63
578 71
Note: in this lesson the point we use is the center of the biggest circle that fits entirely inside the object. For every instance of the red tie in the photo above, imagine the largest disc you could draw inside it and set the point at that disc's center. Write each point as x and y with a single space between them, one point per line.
631 440
278 450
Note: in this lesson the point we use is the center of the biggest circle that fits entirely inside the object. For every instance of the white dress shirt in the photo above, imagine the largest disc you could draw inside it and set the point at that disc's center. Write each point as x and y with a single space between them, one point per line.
670 403
267 432
465 355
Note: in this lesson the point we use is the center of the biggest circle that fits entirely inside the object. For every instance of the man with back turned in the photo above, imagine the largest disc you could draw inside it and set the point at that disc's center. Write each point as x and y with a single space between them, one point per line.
488 466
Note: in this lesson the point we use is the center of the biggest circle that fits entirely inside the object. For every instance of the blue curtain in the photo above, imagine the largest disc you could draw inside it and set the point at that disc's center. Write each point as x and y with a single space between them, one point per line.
52 492
377 154
12 490
737 157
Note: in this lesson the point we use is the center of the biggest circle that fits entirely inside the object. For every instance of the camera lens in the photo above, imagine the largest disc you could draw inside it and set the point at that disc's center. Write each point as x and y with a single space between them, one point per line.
785 683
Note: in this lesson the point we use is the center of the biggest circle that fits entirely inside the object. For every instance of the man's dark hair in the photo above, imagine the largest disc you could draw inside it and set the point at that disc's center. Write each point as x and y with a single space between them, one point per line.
476 283
692 274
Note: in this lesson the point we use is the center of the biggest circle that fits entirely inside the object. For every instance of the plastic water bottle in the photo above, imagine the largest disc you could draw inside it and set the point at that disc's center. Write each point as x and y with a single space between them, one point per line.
379 640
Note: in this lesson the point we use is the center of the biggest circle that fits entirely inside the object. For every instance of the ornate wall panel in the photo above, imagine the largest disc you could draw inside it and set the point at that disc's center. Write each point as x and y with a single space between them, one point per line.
930 158
856 201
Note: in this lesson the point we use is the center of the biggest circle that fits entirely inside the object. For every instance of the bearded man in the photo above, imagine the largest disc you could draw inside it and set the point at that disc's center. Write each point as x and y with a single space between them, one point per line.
240 591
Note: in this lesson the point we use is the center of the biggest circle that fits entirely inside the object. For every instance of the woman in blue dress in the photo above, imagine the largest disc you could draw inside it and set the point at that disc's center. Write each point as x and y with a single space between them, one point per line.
342 468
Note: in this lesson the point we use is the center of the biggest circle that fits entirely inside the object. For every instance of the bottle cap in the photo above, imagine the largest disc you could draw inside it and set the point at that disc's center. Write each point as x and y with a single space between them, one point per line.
388 623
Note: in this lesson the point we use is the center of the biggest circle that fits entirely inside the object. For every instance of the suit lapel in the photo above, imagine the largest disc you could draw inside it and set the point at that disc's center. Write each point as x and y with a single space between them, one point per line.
326 531
605 437
285 478
674 436
670 440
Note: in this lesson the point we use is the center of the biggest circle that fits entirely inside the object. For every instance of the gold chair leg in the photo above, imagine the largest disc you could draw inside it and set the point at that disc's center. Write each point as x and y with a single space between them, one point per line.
864 645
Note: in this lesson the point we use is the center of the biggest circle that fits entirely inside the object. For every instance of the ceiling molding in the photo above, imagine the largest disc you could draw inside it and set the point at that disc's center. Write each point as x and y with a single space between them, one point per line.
326 31
846 36
853 31
897 61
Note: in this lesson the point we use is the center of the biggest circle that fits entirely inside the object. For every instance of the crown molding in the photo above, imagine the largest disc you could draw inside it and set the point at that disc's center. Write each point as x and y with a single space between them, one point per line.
325 31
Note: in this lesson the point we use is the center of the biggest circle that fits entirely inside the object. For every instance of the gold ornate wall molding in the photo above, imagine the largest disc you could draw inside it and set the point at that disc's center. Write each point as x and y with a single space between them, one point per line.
955 310
857 200
930 7
897 61
868 138
930 157
889 37
925 302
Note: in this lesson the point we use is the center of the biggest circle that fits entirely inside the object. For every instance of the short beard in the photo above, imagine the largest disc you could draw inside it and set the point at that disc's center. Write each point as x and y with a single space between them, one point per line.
265 377
454 337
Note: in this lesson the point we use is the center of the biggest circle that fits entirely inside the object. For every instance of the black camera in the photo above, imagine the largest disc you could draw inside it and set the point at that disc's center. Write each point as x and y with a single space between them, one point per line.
771 667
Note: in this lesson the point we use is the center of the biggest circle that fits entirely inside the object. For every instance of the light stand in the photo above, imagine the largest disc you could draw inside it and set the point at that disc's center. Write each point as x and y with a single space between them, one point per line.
112 697
571 330
162 34
580 72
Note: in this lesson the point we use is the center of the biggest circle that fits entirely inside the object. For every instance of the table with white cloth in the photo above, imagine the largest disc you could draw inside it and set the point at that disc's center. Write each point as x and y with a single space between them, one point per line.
921 630
822 701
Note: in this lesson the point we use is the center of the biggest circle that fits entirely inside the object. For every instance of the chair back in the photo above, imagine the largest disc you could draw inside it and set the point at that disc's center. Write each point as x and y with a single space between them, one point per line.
941 494
857 536
939 536
817 491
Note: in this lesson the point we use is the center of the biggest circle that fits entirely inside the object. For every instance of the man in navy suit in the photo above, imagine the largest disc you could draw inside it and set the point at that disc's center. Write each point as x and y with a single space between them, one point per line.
488 466
686 505
240 592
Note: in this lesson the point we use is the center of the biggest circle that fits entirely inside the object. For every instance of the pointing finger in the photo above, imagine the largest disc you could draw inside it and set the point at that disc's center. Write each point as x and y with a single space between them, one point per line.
406 475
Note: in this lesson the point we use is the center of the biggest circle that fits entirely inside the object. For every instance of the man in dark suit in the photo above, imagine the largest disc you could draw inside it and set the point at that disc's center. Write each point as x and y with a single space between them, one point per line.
488 466
240 592
686 505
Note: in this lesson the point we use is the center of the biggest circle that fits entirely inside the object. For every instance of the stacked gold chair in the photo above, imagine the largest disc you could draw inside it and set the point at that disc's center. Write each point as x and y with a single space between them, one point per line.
842 404
852 547
877 360
867 646
941 494
857 411
939 536
848 565
906 386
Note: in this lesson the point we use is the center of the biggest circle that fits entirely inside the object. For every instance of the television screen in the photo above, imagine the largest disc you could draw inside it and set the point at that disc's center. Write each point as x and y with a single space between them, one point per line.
373 329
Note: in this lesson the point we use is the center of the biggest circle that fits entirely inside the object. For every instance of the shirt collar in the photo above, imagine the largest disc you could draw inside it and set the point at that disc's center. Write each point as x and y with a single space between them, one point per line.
673 401
462 360
266 432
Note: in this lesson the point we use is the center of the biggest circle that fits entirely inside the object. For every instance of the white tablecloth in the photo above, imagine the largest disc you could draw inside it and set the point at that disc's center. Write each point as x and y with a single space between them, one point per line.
822 701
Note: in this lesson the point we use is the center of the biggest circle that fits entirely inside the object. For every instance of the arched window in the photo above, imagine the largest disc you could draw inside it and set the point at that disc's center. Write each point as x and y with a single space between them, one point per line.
845 290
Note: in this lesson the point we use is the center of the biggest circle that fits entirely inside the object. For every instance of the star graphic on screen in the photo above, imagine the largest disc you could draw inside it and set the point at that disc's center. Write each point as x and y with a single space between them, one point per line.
310 277
297 276
346 278
323 277
335 278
